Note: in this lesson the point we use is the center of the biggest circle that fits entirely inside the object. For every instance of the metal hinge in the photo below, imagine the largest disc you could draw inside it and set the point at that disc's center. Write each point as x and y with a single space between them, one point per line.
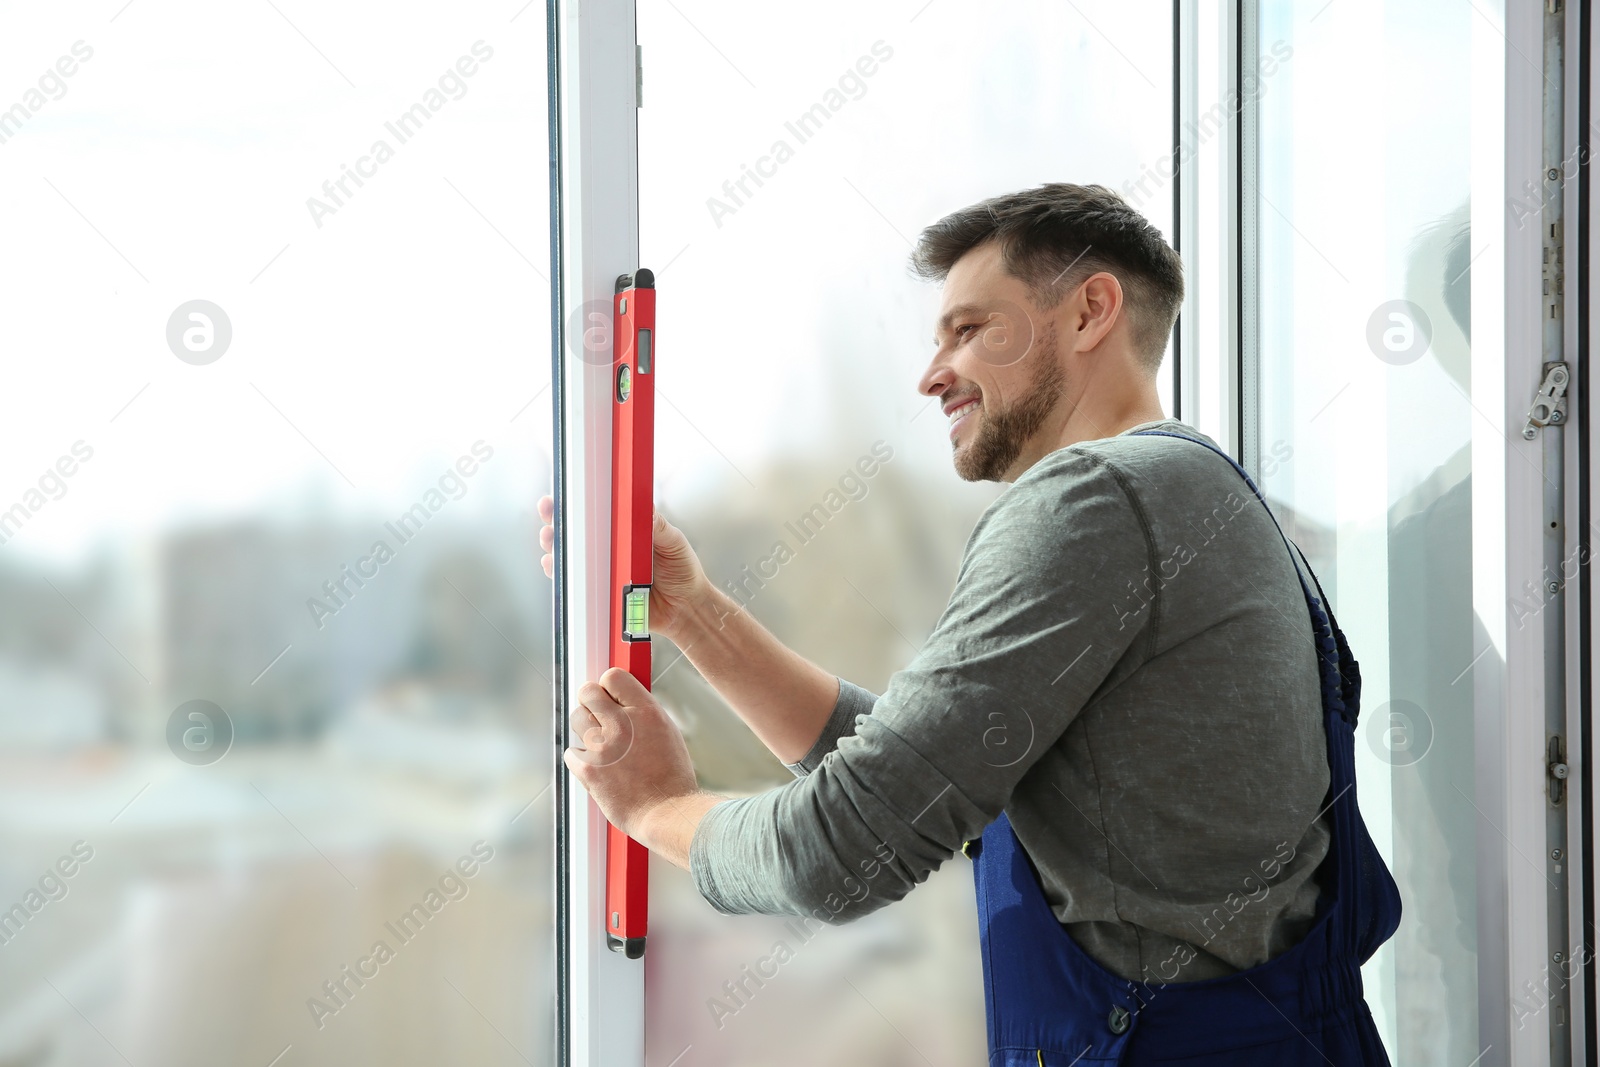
638 75
1550 403
1556 766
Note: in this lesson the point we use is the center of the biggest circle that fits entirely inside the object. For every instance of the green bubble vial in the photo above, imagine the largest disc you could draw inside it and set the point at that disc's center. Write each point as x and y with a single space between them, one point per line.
636 612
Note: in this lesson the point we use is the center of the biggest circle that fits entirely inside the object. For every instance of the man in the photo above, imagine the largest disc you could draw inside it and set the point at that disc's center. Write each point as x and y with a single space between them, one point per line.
1124 697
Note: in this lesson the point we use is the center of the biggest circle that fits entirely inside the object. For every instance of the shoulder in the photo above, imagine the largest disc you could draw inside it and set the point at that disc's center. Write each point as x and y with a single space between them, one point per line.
1096 490
1113 465
1176 463
1074 494
1167 446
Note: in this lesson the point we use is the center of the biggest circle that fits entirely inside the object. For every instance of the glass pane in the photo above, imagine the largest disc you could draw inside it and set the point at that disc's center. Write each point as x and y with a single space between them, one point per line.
787 161
273 666
1364 445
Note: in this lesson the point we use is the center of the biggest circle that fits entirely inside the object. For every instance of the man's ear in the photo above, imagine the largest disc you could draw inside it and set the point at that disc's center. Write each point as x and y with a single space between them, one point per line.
1099 309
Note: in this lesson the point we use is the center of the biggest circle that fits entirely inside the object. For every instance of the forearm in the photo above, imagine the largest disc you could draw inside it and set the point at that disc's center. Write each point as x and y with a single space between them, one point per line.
783 697
859 832
668 828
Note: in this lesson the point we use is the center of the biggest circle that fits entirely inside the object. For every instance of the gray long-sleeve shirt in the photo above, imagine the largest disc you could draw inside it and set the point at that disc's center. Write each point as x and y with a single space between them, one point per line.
1126 668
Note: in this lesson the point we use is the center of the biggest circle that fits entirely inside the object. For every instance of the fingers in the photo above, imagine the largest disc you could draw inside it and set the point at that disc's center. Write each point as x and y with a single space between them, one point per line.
581 721
547 535
601 725
624 688
596 697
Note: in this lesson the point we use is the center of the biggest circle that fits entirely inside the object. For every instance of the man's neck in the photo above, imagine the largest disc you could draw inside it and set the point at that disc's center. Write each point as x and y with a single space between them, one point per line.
1084 425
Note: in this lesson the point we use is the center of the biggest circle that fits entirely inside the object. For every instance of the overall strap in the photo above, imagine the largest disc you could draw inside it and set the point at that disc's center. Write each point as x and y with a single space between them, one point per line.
1331 644
1235 464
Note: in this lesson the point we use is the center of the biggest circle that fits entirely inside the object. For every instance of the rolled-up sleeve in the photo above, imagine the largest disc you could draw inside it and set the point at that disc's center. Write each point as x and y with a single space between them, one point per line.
893 786
853 701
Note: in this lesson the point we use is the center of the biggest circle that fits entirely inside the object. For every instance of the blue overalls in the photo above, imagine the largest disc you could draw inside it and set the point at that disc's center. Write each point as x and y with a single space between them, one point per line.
1050 1004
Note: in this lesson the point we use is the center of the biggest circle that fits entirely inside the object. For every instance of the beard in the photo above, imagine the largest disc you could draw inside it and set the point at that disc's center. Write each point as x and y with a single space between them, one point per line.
1002 434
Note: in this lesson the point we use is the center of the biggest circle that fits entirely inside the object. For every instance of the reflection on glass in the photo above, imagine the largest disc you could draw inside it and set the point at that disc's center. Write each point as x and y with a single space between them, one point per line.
273 726
1365 435
780 190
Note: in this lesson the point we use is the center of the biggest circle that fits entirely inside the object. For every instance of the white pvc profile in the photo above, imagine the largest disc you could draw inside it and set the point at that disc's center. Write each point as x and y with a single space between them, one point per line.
595 213
1583 634
1247 241
1579 950
1576 569
1208 100
1507 514
1186 80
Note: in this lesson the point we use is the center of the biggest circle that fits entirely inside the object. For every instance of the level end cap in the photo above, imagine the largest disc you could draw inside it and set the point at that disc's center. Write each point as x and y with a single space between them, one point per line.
643 278
632 947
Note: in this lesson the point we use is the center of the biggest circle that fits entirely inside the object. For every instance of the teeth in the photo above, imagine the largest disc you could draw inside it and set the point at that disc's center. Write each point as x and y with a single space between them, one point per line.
956 413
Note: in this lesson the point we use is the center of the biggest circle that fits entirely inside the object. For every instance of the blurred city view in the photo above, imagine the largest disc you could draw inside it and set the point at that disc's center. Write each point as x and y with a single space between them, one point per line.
363 763
346 858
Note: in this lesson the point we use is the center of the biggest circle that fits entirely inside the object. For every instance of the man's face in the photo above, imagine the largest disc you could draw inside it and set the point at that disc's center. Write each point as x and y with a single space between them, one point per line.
994 366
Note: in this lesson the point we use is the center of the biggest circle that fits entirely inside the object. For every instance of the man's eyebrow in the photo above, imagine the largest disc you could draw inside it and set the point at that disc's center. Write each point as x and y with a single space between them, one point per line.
959 311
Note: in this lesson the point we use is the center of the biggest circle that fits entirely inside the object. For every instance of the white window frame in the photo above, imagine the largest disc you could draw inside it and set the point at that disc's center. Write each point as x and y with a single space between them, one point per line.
594 238
1509 500
1208 222
1579 485
1583 479
1507 105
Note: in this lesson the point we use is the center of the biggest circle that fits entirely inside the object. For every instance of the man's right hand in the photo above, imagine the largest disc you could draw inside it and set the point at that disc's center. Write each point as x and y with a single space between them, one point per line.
679 587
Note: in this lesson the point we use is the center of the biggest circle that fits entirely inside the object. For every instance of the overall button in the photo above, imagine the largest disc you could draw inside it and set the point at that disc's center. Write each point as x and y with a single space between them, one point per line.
1118 1020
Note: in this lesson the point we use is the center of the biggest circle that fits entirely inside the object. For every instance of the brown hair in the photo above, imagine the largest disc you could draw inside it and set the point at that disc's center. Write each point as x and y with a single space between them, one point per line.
1054 237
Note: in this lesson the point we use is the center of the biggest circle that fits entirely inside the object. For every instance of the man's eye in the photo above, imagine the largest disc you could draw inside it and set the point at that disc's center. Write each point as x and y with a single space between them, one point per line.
961 331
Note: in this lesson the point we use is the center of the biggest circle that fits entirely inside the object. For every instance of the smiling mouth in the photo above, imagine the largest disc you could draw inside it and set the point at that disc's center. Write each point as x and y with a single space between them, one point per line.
959 415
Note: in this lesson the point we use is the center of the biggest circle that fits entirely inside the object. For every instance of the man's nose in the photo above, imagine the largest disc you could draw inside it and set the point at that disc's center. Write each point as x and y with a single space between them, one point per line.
937 378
